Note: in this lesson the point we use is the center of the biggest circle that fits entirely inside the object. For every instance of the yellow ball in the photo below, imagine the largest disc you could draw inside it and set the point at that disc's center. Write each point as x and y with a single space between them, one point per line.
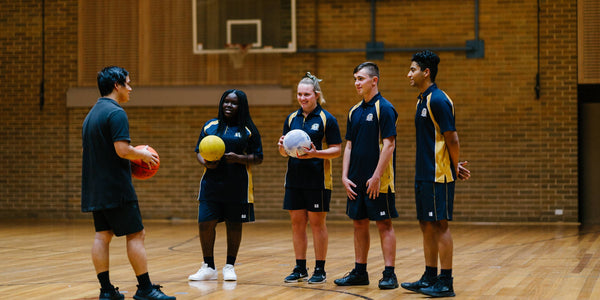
212 148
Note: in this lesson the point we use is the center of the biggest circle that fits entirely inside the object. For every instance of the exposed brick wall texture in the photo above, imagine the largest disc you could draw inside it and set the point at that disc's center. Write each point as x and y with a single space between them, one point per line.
522 150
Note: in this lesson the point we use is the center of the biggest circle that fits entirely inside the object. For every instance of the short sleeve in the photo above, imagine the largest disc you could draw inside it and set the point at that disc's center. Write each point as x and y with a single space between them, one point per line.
387 124
255 144
202 135
443 114
119 126
332 131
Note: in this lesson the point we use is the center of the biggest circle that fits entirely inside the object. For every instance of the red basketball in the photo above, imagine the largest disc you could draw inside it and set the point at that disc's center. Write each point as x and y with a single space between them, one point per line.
142 170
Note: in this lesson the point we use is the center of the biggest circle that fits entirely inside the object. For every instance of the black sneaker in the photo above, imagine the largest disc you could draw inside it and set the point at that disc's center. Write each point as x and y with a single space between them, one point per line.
153 294
298 275
319 276
419 284
441 288
388 281
353 278
111 294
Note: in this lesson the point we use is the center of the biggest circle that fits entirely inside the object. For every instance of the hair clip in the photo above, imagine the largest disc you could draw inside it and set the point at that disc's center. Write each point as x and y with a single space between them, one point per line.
313 77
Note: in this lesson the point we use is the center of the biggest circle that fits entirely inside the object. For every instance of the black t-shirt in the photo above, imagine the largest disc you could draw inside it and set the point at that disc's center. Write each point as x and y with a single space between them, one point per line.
105 177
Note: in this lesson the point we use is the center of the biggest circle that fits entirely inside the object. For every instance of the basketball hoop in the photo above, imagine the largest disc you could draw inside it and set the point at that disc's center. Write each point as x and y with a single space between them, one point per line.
238 53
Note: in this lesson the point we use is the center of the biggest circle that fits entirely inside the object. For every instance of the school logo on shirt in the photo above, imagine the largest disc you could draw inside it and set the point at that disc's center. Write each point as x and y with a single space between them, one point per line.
315 127
424 112
238 135
370 117
243 216
317 205
382 213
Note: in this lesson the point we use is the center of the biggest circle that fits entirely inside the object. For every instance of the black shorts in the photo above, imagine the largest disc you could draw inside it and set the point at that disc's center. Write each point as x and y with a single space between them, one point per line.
121 220
382 208
434 201
225 211
309 199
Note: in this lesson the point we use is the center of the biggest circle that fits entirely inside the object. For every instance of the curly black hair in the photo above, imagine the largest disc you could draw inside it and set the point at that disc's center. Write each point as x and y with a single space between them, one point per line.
427 60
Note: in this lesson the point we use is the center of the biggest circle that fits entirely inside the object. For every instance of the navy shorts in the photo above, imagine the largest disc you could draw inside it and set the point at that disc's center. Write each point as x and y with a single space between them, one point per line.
225 211
309 199
434 200
382 208
121 220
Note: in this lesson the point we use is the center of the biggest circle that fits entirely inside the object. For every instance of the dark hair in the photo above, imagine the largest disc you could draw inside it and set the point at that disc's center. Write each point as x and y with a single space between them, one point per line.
243 113
108 77
371 68
427 60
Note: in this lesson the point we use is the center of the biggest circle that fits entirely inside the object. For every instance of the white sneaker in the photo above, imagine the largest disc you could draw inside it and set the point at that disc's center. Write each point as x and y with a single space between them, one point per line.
204 273
229 273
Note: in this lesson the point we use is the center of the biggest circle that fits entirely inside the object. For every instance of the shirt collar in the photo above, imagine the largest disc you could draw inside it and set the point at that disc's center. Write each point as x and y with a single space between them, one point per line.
372 101
110 100
428 91
315 111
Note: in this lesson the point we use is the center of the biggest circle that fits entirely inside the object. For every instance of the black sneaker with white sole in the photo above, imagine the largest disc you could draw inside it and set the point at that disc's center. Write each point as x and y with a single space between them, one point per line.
298 275
319 276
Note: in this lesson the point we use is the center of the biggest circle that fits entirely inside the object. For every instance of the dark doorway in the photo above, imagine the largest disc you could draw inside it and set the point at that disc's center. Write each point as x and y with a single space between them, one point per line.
589 153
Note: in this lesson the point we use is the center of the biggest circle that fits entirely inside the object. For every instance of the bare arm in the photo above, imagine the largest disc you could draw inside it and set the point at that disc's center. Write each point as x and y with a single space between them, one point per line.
348 184
453 145
126 151
373 184
332 151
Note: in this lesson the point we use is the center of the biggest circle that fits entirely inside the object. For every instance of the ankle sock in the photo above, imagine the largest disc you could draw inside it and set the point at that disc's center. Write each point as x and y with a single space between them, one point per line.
230 260
301 263
104 279
360 268
430 272
210 261
320 264
446 273
144 282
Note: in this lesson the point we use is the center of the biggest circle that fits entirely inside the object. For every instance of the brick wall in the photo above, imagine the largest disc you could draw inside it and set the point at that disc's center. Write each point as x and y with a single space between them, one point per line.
522 150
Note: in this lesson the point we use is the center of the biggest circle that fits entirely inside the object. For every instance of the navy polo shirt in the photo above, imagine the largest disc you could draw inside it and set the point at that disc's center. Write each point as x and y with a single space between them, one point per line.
368 124
230 182
434 116
105 177
323 129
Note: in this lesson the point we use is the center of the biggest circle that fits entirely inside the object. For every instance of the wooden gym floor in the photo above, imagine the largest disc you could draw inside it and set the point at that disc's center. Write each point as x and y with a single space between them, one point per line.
51 260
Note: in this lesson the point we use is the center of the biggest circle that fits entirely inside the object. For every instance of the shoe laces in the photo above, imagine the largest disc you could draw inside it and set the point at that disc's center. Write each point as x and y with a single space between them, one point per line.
351 273
157 287
299 270
319 271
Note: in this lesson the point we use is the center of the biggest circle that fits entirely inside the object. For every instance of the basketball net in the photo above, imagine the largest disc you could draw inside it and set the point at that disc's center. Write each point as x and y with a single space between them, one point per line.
238 53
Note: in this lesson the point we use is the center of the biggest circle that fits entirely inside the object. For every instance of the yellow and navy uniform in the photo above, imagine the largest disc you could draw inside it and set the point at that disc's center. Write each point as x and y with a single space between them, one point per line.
230 182
323 129
434 116
368 124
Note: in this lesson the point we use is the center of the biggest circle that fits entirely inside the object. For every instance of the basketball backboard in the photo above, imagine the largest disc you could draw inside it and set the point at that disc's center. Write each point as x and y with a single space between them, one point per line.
263 25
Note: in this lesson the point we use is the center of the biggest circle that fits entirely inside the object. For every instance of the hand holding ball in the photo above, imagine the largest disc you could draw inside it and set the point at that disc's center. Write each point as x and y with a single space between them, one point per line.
296 142
142 170
212 148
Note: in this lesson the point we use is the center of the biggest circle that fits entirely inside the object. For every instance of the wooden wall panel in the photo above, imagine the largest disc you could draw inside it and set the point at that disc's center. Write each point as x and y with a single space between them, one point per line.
588 41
